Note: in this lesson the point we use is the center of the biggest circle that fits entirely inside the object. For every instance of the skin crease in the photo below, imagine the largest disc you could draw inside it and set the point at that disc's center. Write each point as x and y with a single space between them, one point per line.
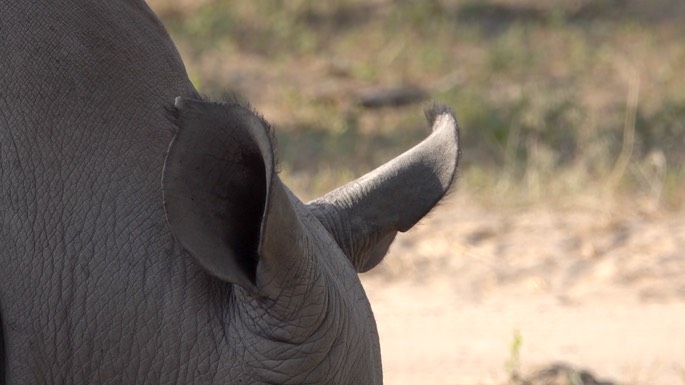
103 284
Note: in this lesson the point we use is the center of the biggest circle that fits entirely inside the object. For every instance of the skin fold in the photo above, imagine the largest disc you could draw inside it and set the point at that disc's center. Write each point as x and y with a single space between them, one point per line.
145 237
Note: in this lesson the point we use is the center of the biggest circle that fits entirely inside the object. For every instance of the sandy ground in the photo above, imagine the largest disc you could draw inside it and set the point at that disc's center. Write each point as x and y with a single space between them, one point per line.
599 288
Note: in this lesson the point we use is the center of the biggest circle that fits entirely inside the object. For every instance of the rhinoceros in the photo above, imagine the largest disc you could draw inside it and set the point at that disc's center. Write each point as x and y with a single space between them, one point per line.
145 236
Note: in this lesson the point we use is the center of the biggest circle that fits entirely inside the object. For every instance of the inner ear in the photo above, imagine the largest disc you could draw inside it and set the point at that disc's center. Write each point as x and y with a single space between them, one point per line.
243 199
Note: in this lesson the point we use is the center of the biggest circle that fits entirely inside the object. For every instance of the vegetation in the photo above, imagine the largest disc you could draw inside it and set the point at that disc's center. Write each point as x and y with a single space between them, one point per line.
513 365
555 98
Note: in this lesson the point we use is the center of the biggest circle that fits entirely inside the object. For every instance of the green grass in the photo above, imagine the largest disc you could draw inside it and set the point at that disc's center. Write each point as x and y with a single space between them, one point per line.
541 89
513 365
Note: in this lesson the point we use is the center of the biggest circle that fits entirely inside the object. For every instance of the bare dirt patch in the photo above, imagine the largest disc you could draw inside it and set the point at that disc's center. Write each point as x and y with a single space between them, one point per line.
599 287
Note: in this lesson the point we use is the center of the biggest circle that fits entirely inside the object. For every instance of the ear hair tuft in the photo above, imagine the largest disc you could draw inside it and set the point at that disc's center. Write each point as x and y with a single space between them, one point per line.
435 110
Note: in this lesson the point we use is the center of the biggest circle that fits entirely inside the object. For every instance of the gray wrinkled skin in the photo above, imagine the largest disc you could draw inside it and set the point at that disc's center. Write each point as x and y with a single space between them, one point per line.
146 239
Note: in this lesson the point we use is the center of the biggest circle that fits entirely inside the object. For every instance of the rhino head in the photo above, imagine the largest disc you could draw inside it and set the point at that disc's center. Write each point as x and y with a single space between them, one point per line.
298 311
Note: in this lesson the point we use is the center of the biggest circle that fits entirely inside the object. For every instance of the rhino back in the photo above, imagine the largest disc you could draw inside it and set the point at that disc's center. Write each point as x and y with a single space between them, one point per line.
89 268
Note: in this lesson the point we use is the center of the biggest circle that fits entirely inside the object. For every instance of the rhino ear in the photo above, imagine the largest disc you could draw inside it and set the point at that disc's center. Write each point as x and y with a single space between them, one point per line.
222 198
365 215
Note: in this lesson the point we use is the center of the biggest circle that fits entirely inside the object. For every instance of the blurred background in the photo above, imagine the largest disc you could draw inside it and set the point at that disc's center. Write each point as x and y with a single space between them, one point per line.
554 97
565 236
